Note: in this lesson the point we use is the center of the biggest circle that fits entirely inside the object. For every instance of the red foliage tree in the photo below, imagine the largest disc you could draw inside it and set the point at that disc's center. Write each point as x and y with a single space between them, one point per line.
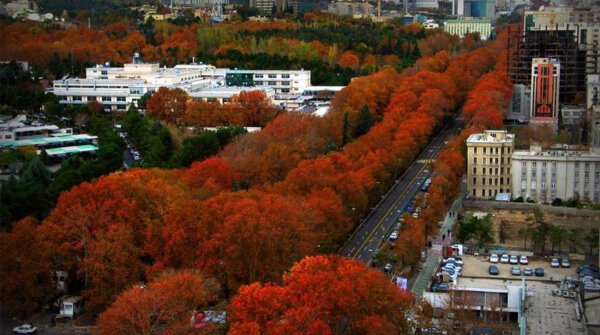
322 295
163 307
168 104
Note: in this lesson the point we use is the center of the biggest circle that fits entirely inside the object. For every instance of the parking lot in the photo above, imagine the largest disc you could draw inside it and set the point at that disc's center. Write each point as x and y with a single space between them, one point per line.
478 266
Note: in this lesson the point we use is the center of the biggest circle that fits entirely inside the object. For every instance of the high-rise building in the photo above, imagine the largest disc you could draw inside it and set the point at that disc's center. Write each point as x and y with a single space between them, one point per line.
488 160
518 111
593 107
570 35
545 74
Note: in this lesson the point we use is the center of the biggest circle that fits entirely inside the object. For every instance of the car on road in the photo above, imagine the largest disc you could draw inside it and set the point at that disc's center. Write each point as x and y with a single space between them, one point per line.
515 271
555 263
493 270
25 329
504 259
388 267
539 272
565 263
394 235
494 258
528 272
514 259
523 260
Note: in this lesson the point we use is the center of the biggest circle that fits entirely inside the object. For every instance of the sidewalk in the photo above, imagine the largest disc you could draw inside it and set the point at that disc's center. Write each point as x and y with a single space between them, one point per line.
434 254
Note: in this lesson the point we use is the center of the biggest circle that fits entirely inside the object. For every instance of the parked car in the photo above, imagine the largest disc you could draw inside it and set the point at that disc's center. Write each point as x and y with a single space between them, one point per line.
555 263
453 260
494 258
565 263
539 272
515 271
25 329
441 287
415 215
504 259
394 235
493 270
514 260
528 272
523 260
388 267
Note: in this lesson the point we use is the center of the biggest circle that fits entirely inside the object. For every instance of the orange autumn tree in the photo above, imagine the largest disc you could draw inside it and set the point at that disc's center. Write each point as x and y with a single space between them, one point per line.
24 268
168 104
322 295
164 306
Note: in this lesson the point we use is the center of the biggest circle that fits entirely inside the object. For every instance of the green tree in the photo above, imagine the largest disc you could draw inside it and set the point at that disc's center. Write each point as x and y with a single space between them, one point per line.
364 122
197 148
557 236
592 240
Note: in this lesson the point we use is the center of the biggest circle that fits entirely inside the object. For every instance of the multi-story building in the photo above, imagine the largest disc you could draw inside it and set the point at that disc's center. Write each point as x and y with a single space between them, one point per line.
118 88
545 84
354 9
518 110
489 163
283 81
570 35
593 107
461 27
556 174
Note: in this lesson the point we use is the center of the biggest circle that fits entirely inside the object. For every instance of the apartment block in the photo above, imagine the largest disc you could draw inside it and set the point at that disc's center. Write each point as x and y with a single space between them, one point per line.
545 175
461 27
489 163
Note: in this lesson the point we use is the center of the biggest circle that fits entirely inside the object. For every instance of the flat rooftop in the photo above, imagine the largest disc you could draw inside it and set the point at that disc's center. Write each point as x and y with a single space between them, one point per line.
42 141
71 150
550 314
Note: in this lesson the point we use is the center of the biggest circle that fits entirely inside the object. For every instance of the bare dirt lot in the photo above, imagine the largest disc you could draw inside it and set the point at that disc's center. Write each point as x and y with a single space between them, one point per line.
509 218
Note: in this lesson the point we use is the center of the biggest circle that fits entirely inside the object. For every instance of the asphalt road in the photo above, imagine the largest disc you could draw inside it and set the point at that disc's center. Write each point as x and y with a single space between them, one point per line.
364 243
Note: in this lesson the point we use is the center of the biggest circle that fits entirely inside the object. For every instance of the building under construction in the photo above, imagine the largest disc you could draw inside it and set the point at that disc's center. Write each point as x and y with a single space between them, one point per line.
567 43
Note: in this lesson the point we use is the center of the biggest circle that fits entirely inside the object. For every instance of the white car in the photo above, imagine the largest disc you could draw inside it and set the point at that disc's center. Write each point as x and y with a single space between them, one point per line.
494 258
415 215
524 260
25 329
394 235
514 260
504 259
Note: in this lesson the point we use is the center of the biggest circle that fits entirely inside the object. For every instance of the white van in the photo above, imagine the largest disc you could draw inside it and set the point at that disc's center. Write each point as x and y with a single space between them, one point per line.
70 306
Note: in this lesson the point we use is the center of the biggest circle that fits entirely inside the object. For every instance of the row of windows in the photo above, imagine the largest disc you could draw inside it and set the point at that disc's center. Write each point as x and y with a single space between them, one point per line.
492 180
492 171
490 193
494 151
92 98
492 160
271 76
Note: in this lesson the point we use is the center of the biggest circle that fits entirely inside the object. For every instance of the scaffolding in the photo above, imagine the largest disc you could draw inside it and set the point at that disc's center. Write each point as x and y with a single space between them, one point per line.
559 42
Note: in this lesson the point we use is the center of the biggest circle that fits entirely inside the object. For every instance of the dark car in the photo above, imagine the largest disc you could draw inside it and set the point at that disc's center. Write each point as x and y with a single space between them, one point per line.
539 272
441 287
494 270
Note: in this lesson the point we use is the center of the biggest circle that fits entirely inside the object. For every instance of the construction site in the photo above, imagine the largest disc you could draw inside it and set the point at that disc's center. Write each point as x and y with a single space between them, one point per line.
567 43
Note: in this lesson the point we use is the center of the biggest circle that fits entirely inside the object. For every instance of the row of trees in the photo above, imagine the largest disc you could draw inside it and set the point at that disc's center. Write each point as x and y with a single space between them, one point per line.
334 52
131 226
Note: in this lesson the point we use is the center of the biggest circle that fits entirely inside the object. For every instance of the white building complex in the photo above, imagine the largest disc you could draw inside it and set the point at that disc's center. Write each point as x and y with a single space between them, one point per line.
556 174
118 88
461 27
